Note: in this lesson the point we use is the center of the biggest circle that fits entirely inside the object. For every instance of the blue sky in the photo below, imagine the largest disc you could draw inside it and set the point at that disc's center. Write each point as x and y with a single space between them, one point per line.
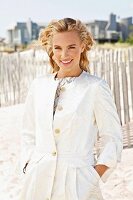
12 11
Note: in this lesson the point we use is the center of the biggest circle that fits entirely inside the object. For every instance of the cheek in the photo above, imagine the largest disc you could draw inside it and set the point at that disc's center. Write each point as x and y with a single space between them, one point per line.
77 53
56 55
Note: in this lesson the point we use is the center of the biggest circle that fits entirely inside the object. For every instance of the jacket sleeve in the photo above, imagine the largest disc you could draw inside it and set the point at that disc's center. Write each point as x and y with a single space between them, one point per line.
109 128
28 128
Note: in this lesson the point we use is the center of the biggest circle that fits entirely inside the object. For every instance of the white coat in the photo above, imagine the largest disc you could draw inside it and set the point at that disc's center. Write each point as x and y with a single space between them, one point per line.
60 150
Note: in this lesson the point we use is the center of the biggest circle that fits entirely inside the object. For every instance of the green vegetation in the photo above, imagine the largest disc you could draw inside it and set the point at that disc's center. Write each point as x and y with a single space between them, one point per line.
129 40
120 40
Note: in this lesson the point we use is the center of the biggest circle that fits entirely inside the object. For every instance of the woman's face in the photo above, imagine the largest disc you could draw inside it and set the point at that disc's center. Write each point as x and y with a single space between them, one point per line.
67 48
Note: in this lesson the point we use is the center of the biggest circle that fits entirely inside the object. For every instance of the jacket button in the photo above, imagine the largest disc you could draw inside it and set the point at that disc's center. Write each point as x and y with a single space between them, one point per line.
54 153
63 89
57 131
59 107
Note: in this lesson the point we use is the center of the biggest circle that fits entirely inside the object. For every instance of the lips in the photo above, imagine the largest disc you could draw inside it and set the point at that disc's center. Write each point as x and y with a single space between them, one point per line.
66 61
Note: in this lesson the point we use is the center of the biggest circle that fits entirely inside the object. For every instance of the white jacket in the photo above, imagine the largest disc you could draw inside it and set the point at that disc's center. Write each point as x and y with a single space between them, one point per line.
60 151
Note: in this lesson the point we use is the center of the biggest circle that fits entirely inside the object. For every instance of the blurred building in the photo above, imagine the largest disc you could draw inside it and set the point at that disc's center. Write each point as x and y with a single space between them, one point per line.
111 31
23 32
103 31
2 43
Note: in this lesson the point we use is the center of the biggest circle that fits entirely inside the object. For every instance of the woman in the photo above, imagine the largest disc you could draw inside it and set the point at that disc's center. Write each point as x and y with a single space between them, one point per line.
64 112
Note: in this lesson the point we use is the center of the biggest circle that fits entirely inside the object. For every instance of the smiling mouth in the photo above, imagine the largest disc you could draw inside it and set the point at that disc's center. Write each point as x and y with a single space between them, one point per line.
66 62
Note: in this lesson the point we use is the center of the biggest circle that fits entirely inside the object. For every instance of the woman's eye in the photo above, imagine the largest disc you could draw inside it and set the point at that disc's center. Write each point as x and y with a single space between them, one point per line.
72 47
57 48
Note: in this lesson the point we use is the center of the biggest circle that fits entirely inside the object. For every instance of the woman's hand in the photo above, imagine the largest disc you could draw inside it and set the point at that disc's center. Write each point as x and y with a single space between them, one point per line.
100 169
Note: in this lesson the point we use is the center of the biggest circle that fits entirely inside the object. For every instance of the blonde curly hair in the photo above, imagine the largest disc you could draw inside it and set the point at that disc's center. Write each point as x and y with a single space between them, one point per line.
62 25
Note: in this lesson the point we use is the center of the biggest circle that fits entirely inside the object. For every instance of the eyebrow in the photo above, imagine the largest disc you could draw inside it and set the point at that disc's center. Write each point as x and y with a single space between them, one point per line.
68 45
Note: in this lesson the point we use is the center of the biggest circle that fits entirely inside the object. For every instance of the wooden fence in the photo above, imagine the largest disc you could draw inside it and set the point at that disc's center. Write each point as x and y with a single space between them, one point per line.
17 70
114 65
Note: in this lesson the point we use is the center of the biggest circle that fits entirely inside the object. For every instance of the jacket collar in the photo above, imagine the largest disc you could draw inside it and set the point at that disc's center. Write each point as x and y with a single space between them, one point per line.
77 78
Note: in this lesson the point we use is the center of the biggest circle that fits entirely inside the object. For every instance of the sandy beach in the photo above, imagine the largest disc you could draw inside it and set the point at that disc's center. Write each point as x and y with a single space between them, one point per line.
118 187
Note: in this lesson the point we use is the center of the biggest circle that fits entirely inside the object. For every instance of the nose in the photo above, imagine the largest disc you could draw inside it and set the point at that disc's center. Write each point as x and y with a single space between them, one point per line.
64 54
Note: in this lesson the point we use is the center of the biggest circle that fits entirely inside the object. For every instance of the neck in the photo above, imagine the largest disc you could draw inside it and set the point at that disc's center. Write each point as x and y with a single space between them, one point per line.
61 74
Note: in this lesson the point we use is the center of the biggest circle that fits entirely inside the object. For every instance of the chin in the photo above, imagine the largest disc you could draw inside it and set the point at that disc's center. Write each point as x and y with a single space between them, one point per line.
66 68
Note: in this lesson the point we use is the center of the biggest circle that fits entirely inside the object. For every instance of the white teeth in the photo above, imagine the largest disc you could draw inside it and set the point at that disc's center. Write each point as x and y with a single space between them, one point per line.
66 61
